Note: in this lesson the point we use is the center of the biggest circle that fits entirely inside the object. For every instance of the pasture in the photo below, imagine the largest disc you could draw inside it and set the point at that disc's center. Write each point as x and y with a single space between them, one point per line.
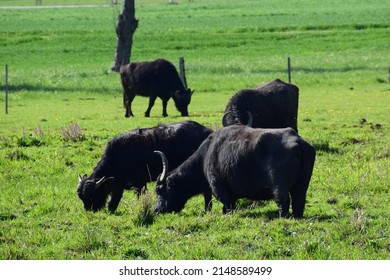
65 105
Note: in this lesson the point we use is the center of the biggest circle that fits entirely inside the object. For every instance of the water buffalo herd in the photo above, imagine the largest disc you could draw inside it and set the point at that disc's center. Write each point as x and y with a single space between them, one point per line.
257 155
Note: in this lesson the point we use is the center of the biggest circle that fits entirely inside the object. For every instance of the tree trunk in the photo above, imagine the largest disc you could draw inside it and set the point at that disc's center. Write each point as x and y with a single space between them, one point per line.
125 28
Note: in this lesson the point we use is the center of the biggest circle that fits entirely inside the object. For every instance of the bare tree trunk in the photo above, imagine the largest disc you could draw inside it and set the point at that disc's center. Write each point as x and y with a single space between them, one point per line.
125 28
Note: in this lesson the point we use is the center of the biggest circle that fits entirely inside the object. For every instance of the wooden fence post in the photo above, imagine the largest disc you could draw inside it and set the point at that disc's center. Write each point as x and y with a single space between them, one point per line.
182 72
289 69
6 88
389 74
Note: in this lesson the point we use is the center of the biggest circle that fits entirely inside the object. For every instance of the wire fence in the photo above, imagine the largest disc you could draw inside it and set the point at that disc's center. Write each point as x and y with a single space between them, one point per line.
58 2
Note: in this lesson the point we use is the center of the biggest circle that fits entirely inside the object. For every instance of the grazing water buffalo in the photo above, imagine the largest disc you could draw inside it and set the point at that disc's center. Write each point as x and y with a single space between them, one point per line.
129 161
242 162
273 105
158 78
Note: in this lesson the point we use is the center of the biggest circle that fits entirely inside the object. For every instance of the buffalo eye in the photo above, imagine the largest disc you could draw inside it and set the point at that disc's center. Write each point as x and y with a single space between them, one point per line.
159 189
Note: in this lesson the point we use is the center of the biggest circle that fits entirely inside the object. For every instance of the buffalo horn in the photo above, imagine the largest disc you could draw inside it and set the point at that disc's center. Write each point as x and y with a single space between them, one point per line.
224 122
250 119
100 182
163 174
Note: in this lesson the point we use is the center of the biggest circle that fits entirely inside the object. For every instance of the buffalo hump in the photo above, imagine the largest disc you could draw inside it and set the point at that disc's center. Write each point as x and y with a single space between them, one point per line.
272 105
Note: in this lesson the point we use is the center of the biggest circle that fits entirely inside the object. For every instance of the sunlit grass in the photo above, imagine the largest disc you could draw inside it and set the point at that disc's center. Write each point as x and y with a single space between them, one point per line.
59 74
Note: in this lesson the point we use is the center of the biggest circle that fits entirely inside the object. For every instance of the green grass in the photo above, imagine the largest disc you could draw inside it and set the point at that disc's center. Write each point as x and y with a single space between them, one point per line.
59 61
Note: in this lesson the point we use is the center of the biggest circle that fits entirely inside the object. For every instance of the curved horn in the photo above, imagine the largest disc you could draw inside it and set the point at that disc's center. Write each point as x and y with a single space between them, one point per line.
250 119
164 172
100 182
224 121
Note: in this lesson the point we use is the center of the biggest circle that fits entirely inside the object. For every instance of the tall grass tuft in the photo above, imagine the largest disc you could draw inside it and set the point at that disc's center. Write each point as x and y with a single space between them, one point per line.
72 132
30 140
144 214
359 220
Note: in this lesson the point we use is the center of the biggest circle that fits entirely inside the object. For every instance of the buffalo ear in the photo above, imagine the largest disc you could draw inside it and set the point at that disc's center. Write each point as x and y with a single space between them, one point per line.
177 94
191 91
81 178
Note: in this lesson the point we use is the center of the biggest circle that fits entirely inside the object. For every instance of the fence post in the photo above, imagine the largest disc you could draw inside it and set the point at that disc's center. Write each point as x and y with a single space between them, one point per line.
182 72
6 88
389 74
289 69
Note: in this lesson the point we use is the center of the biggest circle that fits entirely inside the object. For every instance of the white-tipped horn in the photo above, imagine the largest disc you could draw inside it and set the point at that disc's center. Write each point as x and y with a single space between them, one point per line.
164 172
80 178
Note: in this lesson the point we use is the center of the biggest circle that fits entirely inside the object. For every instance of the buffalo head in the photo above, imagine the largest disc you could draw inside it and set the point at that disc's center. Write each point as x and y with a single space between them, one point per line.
182 100
93 192
170 197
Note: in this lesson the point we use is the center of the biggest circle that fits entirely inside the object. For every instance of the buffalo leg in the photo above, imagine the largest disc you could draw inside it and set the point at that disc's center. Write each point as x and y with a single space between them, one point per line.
228 207
298 191
282 199
152 99
116 196
207 201
164 104
219 190
298 199
127 100
228 203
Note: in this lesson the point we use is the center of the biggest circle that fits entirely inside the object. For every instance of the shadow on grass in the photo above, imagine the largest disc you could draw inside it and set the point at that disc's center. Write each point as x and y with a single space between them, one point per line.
250 209
274 214
325 147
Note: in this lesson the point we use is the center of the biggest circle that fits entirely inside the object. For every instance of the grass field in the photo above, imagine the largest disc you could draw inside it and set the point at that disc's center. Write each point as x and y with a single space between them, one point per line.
59 74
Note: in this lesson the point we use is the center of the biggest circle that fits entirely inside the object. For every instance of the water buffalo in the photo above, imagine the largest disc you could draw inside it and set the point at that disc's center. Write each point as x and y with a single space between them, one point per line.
242 162
129 161
158 78
273 105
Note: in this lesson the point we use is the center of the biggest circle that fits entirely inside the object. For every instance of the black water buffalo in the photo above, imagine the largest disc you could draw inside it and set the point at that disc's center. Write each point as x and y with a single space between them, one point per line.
242 162
158 78
272 105
129 161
